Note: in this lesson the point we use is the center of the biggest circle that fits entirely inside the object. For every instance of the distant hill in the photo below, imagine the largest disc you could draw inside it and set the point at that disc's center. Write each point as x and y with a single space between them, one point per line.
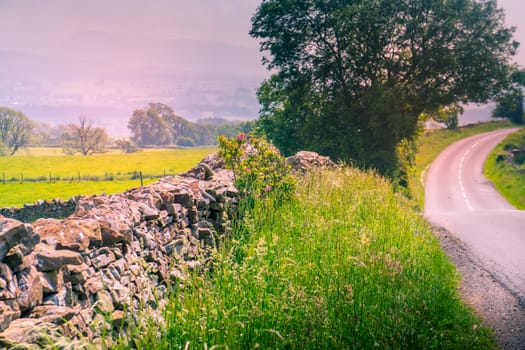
105 77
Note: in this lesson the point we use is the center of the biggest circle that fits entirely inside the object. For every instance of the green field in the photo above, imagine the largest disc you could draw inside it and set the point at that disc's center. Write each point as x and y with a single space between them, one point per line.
46 174
508 178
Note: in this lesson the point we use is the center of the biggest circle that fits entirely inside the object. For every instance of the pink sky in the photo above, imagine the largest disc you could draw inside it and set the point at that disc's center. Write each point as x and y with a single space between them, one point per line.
41 25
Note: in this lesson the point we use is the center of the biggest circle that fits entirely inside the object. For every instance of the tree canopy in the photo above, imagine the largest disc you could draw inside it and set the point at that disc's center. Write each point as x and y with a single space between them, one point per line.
352 77
149 127
15 130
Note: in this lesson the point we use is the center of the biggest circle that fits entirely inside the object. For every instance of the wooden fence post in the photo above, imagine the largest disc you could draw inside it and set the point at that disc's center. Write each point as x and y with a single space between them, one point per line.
141 180
78 173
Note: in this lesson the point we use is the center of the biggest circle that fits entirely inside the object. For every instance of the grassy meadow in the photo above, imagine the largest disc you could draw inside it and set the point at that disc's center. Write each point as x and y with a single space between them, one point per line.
508 178
48 174
347 264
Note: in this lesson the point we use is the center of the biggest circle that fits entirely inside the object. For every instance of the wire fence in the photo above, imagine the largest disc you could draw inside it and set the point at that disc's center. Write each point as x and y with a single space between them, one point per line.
78 177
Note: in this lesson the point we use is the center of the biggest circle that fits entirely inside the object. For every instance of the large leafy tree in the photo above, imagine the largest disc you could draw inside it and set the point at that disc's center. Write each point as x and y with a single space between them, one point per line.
352 77
15 130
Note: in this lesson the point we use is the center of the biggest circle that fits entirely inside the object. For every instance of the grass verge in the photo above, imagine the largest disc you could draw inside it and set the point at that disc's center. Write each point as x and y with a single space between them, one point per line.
347 264
431 142
508 177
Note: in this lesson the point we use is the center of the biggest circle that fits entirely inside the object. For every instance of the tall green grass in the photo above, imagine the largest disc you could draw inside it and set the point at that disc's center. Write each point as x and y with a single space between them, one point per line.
346 264
508 178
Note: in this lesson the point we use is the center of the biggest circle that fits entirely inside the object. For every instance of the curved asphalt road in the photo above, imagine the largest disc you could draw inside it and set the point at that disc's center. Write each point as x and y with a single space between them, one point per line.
460 199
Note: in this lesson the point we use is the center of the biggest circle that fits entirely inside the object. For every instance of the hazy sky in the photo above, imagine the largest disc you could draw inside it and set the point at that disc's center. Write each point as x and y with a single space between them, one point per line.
35 23
41 25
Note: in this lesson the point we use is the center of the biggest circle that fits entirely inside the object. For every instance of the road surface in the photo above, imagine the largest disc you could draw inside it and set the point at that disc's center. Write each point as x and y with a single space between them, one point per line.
461 200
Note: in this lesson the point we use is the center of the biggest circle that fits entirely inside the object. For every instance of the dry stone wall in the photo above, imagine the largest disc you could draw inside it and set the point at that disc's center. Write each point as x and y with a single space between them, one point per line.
113 254
55 208
113 258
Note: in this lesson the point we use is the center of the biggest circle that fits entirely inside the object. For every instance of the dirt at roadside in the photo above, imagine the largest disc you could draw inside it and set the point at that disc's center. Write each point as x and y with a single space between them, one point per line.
494 303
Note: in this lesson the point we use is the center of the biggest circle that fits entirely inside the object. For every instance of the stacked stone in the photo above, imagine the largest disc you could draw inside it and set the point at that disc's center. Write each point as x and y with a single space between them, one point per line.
112 258
305 161
55 208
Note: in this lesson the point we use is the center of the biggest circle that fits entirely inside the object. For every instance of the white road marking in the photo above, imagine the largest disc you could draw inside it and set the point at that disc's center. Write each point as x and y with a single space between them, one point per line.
460 176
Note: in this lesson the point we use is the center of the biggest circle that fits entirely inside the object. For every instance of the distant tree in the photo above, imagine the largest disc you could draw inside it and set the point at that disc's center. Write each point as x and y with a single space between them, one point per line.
157 124
127 146
84 138
15 130
179 126
510 103
149 127
47 135
351 78
447 115
510 106
185 141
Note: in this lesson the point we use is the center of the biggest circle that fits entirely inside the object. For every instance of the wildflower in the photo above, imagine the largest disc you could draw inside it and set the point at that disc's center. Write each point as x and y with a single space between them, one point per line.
241 137
268 188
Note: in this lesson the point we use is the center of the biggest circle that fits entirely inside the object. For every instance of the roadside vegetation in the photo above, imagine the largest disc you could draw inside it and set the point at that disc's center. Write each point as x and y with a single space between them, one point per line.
505 167
40 174
346 263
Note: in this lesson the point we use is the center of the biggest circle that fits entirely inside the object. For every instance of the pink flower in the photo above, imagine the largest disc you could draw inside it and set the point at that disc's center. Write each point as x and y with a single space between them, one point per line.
268 188
241 137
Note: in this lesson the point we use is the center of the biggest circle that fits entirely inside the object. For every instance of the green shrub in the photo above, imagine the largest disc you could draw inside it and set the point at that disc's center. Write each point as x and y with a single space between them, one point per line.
258 167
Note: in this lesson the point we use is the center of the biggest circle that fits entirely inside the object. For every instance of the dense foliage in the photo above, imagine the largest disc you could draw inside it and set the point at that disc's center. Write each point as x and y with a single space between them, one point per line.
15 131
157 124
353 77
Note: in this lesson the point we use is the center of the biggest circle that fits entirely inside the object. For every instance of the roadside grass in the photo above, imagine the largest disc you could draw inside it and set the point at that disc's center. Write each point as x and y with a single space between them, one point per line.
100 173
431 142
347 263
508 178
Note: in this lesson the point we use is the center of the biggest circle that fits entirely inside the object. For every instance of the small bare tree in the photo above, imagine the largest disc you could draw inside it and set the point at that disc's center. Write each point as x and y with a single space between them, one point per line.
84 138
15 130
